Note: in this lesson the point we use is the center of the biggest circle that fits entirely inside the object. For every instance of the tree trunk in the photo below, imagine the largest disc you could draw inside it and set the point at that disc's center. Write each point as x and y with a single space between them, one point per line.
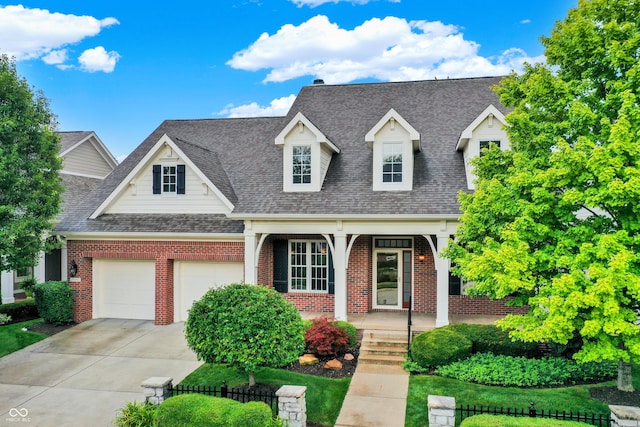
624 376
252 379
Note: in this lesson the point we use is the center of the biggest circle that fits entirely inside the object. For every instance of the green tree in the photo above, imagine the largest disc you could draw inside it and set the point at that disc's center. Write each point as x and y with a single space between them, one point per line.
555 221
245 326
30 188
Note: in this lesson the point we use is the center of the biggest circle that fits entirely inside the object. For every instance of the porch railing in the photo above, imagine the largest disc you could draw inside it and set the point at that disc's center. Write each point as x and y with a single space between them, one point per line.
409 328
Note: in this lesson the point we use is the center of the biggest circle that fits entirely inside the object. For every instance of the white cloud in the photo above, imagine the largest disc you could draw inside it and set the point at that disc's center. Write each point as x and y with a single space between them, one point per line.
385 49
315 3
98 59
277 107
38 33
55 57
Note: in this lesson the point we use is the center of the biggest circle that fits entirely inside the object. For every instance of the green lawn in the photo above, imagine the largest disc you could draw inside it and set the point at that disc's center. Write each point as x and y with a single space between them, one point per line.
13 338
324 396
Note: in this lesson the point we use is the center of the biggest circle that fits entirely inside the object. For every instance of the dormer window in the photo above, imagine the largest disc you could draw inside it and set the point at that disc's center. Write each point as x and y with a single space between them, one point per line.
301 164
306 157
169 179
394 142
392 161
486 144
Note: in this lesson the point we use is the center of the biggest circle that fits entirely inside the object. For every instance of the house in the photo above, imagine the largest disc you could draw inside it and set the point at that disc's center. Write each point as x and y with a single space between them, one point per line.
86 162
344 205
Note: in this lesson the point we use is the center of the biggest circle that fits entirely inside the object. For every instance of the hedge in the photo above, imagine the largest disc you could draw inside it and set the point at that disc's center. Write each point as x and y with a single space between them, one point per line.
55 302
439 347
510 421
21 310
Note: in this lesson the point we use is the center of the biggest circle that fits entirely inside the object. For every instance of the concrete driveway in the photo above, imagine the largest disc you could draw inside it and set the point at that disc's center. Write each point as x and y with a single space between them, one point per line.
83 375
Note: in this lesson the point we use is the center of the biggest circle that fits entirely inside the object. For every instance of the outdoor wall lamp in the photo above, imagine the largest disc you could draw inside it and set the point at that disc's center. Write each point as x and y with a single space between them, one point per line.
422 257
73 269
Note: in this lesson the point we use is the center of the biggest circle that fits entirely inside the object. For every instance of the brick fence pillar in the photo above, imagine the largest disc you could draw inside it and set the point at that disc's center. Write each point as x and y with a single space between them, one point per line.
442 411
624 416
156 389
292 406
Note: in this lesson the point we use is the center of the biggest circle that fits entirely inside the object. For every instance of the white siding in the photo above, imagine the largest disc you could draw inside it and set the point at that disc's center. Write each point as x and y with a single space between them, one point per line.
395 133
306 137
325 160
86 160
138 196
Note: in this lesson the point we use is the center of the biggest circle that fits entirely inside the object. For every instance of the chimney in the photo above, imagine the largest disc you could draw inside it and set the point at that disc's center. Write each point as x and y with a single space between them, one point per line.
318 82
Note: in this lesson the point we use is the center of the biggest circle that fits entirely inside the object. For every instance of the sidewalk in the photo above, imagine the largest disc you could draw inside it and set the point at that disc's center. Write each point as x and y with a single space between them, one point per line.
377 397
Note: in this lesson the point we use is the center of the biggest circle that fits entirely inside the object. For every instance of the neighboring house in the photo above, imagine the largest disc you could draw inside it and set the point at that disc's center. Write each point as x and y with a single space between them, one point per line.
86 162
344 205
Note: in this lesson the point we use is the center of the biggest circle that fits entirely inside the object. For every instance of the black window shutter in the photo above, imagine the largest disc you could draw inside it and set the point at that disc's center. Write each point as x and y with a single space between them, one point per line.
180 187
455 284
332 276
281 265
157 179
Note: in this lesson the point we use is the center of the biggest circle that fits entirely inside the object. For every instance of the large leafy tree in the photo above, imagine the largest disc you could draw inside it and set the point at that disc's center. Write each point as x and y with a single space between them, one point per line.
555 221
30 188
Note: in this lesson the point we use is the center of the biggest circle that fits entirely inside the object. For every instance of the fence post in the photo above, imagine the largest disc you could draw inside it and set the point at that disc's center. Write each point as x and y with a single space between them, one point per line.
292 405
157 389
442 411
532 410
624 416
223 389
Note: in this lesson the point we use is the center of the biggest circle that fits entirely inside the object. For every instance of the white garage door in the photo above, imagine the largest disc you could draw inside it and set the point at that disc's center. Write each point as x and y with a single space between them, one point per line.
193 278
124 289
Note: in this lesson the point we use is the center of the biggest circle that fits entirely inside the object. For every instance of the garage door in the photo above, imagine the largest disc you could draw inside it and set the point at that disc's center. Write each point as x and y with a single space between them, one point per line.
193 278
124 289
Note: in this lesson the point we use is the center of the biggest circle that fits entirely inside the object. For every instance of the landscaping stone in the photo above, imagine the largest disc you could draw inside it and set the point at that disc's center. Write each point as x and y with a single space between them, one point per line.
308 359
333 364
349 356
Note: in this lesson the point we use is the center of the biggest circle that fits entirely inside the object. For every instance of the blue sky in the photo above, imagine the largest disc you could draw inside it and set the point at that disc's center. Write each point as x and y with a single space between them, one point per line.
122 67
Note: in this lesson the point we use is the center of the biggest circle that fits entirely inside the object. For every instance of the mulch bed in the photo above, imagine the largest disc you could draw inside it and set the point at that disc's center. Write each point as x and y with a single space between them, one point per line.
613 396
48 328
348 366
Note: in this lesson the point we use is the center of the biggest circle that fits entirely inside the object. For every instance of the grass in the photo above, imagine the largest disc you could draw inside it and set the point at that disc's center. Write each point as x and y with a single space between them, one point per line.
13 338
324 396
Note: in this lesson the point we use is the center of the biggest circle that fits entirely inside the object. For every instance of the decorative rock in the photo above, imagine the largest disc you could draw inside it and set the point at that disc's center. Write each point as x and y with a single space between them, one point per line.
349 356
334 364
308 359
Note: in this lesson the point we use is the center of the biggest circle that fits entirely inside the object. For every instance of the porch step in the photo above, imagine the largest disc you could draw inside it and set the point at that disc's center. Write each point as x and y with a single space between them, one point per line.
383 348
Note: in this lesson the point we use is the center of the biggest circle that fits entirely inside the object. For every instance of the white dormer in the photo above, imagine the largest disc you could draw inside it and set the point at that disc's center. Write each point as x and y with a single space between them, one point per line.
393 141
487 129
307 154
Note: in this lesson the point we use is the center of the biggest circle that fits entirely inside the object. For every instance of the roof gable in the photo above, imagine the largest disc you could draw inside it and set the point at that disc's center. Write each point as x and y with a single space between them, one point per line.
88 147
489 113
164 142
300 119
393 117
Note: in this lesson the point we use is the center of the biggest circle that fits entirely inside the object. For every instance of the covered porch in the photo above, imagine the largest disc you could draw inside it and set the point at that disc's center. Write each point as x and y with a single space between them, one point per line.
396 321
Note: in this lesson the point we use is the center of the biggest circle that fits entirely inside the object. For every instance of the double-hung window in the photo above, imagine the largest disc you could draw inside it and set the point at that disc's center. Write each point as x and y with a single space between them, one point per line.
302 164
392 162
169 179
309 266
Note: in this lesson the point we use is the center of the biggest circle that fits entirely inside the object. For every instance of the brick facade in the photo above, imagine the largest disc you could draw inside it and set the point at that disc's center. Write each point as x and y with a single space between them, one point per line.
163 252
359 275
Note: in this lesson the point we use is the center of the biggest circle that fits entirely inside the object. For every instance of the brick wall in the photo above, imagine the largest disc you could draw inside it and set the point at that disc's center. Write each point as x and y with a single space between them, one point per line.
163 252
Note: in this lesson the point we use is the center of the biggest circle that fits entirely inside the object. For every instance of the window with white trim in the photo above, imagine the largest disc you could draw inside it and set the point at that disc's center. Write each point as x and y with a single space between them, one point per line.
487 144
169 179
309 266
301 164
392 162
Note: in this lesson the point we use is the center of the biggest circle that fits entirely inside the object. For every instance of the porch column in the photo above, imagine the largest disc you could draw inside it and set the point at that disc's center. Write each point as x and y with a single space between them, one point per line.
340 267
250 267
39 269
442 268
6 280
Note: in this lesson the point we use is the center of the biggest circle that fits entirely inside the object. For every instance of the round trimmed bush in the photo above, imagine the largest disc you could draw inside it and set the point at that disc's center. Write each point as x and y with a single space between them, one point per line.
491 339
245 326
55 302
439 347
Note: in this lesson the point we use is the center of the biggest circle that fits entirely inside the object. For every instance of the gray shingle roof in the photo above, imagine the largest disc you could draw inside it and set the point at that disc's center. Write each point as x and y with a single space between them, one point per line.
240 157
69 139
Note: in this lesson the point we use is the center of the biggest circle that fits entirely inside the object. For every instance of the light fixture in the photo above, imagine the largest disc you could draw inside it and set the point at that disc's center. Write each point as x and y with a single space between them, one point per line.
73 269
422 257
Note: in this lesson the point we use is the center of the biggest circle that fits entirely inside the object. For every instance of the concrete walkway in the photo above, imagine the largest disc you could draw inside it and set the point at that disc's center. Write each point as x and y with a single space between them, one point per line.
377 397
82 376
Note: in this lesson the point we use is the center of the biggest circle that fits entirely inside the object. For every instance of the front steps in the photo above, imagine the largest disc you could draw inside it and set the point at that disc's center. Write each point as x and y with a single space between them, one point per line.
383 348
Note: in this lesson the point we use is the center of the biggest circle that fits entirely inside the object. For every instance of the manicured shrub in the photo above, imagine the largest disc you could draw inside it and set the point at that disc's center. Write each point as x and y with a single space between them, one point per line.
439 347
350 329
4 319
325 338
20 311
490 369
55 302
491 339
197 410
245 326
485 420
135 414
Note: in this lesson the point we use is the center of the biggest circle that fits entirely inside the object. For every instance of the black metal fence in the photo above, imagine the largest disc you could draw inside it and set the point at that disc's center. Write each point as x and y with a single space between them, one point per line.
237 394
599 420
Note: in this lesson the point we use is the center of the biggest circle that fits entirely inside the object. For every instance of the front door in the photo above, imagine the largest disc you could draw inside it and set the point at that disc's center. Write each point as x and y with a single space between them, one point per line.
392 278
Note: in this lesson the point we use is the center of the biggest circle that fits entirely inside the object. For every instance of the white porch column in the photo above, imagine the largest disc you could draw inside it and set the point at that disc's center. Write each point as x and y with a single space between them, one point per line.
39 269
6 280
442 268
250 267
64 274
340 267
